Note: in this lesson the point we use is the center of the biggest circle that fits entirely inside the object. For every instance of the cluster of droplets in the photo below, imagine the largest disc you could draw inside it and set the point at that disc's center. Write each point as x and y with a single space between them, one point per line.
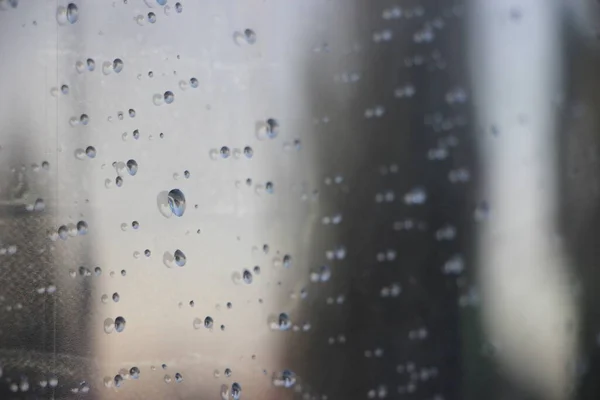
225 153
376 111
71 230
67 15
409 224
114 325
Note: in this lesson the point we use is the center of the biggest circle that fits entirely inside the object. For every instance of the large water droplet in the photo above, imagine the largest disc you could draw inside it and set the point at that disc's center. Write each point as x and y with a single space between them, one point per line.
117 65
176 202
132 167
120 324
236 391
72 13
180 258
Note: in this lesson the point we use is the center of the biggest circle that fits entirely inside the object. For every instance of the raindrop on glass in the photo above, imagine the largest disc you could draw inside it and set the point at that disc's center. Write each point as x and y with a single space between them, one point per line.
72 13
180 258
120 324
132 167
176 202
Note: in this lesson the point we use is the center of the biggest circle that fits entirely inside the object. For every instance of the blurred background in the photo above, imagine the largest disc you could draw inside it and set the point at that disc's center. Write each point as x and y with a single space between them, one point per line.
317 199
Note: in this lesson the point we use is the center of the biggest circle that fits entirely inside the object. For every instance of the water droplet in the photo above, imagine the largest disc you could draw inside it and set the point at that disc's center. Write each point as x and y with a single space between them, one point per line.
176 202
250 36
256 270
84 119
72 13
178 377
272 128
134 372
186 173
247 277
194 82
285 378
236 391
63 232
269 187
131 113
198 323
90 151
64 89
225 152
320 274
283 322
119 181
169 97
118 380
136 134
120 324
91 64
287 261
132 167
151 17
180 258
248 152
208 322
178 7
109 325
82 228
117 66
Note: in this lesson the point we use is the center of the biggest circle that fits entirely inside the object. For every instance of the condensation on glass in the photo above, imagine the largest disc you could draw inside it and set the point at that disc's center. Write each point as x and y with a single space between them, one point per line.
316 199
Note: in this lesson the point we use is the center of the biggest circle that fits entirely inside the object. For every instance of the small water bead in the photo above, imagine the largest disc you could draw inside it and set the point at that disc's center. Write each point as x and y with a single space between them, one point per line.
119 181
98 271
91 64
151 17
186 173
134 372
283 322
208 322
82 228
118 380
455 265
109 325
169 97
225 152
63 232
132 167
180 258
256 270
248 152
269 187
178 8
272 128
116 297
236 391
178 377
320 274
176 201
64 89
72 13
285 378
120 324
247 277
287 261
415 196
90 151
84 119
194 82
